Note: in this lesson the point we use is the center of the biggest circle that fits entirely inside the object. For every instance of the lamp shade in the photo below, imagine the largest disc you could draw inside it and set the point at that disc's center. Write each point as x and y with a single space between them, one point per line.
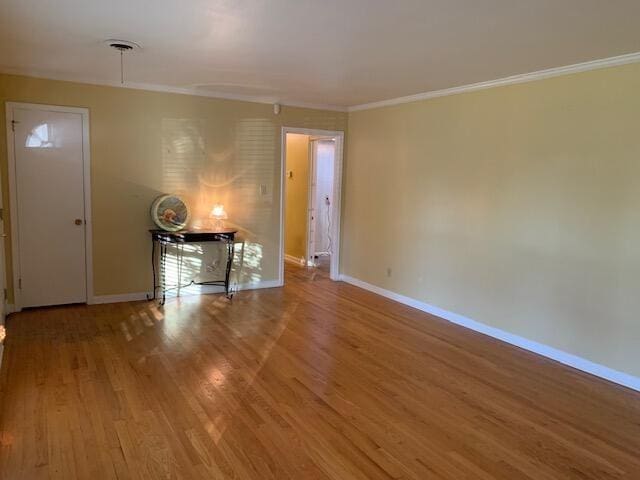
218 212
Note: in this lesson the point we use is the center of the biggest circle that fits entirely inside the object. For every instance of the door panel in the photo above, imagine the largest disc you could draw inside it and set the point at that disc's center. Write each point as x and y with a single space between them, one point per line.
325 158
50 207
3 269
311 214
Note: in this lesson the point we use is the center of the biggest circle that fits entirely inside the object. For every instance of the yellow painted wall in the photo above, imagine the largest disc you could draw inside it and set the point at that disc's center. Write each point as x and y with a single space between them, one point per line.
147 143
517 206
297 193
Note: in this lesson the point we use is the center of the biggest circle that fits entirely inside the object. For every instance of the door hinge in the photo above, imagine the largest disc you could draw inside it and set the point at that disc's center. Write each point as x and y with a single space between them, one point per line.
2 214
13 125
20 283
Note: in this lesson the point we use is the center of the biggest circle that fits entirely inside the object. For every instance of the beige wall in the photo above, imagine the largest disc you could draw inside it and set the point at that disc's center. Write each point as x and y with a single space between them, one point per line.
518 207
297 193
147 143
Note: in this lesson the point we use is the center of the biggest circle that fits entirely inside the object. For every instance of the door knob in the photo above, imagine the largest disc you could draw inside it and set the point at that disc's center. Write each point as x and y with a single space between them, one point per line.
78 221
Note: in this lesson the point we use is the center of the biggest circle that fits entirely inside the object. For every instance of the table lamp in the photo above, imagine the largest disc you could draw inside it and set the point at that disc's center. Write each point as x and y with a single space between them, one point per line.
218 213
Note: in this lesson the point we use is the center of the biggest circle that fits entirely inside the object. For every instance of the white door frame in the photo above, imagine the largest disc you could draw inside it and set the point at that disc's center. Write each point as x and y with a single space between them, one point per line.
337 195
86 170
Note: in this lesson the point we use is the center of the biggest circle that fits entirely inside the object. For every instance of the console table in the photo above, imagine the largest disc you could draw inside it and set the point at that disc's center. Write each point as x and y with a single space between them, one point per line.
161 239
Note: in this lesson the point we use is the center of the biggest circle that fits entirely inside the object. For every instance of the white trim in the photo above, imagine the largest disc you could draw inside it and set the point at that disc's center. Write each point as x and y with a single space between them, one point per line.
123 297
86 160
88 217
334 259
259 285
152 87
334 271
512 80
292 259
565 358
185 292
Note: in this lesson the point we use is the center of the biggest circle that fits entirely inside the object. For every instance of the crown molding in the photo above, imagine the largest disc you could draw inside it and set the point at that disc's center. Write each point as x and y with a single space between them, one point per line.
151 87
500 82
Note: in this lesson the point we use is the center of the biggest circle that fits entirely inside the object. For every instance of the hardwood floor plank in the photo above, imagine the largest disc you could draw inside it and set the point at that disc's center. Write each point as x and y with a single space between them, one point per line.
318 380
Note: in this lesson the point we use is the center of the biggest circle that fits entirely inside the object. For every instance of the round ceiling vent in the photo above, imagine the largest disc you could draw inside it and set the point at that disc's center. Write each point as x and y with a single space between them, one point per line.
122 45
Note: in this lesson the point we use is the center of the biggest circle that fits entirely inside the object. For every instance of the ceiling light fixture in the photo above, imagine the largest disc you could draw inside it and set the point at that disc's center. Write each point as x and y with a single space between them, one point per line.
122 46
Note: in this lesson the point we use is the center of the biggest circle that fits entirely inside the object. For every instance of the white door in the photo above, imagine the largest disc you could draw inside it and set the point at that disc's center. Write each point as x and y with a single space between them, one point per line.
3 282
311 205
325 159
3 285
49 194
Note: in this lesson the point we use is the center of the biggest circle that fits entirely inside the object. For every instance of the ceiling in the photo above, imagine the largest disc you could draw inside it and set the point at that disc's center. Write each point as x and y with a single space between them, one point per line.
324 52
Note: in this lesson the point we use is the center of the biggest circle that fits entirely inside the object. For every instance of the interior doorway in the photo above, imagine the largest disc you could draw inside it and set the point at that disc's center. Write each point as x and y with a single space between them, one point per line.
310 201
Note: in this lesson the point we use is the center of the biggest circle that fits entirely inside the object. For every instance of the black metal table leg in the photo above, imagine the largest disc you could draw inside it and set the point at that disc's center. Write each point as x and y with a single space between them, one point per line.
230 253
163 274
153 268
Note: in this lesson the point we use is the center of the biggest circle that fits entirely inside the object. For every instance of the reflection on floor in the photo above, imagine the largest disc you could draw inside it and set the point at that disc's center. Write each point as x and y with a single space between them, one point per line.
316 380
323 263
299 273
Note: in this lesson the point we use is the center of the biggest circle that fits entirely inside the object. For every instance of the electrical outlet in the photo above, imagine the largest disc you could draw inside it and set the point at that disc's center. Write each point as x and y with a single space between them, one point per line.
263 189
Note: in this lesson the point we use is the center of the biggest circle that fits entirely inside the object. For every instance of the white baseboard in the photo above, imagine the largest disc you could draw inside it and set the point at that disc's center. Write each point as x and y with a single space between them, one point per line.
569 359
208 289
259 285
123 297
187 291
296 260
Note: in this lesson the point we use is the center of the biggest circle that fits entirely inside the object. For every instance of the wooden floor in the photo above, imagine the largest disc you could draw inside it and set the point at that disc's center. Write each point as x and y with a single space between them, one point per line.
318 380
